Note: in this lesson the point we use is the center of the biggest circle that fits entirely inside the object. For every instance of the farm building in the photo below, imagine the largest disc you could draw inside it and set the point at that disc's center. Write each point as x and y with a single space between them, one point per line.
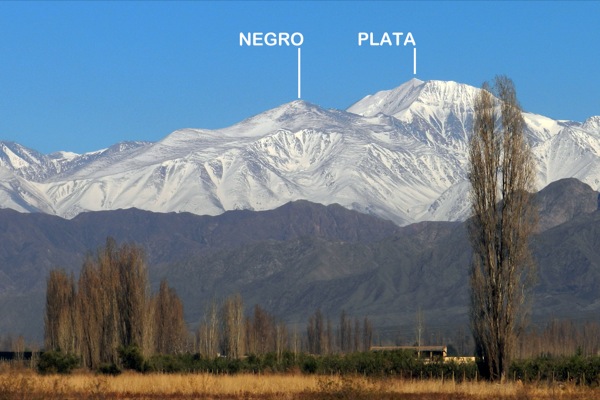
432 353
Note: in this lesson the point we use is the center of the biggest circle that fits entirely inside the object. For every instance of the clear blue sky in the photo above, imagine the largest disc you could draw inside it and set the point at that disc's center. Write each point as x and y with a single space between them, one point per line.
84 75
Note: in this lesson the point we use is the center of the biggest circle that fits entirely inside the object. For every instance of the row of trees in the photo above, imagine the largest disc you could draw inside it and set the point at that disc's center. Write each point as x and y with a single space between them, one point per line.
350 336
225 331
111 308
560 338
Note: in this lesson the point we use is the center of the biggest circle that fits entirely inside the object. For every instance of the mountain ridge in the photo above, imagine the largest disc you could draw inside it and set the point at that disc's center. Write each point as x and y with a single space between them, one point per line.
403 159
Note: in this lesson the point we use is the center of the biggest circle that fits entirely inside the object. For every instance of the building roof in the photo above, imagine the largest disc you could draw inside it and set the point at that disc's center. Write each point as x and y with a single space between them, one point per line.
440 349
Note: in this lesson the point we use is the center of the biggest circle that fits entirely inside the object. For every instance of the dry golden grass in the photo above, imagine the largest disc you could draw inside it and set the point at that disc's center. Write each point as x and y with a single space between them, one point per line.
25 385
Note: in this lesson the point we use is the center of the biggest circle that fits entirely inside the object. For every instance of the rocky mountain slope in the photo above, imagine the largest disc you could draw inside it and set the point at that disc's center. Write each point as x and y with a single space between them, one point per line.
304 256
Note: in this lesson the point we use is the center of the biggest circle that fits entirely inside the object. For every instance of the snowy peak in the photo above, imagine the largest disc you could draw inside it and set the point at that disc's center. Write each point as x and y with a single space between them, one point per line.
452 96
290 110
24 162
415 95
293 116
389 102
592 124
291 113
436 113
15 156
125 147
63 155
37 167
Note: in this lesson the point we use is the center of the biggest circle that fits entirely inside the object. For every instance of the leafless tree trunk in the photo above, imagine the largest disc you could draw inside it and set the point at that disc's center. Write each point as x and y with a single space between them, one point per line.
281 339
233 327
345 332
262 331
328 339
316 334
311 335
501 175
356 336
60 320
132 295
209 331
419 326
150 329
18 348
296 342
251 340
169 325
367 334
110 339
91 314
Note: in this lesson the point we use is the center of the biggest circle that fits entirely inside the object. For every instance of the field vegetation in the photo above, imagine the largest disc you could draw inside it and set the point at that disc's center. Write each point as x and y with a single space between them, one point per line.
381 375
26 384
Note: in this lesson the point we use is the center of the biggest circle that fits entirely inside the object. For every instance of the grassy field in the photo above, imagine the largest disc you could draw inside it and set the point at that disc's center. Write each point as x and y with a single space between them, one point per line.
24 385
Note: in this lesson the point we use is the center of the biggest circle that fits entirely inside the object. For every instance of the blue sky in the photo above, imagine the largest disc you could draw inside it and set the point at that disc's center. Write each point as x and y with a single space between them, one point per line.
81 76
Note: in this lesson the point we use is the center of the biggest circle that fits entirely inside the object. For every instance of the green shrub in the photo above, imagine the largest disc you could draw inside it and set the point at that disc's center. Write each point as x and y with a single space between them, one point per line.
578 369
309 364
56 362
110 369
132 358
165 363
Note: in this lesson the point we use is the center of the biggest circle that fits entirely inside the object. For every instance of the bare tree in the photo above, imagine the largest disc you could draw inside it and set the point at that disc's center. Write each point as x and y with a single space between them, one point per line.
169 324
367 337
233 327
316 333
150 327
109 286
356 336
501 175
561 338
311 335
208 332
419 326
90 297
132 294
19 348
281 339
295 342
328 338
345 332
60 320
111 307
261 333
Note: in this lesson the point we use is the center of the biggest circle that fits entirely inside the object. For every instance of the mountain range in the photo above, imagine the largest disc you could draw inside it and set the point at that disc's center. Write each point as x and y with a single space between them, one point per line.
303 256
300 208
398 154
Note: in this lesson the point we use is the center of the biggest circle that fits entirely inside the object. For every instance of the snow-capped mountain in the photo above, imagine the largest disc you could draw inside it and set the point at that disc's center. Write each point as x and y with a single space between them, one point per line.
399 154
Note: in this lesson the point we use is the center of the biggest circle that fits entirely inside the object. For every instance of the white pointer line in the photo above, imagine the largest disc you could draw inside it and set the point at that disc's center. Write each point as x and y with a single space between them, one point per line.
299 73
414 61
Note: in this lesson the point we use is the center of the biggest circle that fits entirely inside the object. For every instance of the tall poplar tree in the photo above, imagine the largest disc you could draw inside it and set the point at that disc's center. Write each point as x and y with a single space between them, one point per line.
502 174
